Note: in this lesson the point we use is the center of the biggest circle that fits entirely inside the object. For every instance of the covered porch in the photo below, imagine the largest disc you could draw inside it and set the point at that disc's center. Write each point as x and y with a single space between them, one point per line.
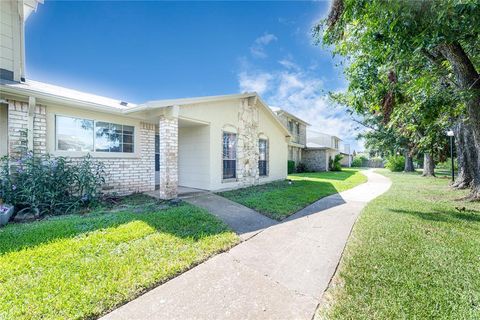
182 156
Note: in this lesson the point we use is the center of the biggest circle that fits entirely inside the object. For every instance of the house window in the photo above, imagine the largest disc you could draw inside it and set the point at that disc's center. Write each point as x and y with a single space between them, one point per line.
262 157
290 126
229 155
74 134
111 137
298 128
157 152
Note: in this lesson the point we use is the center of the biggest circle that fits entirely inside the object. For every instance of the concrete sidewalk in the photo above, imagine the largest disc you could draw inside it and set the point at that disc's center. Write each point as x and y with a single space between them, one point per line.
281 273
244 221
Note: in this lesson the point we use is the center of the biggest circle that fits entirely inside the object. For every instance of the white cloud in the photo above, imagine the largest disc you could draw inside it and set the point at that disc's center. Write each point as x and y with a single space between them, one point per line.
258 47
257 82
301 93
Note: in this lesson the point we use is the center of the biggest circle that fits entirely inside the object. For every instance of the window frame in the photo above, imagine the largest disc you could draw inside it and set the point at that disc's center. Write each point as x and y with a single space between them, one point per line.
234 178
267 158
101 154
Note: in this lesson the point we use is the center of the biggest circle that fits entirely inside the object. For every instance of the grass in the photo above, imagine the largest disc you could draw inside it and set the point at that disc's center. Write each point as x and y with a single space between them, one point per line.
81 266
280 199
414 254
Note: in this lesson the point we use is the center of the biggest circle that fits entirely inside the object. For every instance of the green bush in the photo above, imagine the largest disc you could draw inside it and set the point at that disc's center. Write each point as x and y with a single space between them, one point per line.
334 164
395 163
359 161
49 185
291 166
447 164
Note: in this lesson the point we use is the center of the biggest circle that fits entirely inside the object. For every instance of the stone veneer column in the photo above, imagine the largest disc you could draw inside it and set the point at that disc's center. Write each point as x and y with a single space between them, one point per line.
168 131
247 143
18 118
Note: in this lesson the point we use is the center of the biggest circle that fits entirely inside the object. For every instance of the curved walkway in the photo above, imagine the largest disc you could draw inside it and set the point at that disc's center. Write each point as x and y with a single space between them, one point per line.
281 273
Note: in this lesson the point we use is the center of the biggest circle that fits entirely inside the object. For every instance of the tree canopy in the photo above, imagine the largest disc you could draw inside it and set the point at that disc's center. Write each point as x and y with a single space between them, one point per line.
412 69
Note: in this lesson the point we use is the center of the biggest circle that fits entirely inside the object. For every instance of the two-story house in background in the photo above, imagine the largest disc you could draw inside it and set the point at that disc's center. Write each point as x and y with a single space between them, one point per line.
298 132
315 149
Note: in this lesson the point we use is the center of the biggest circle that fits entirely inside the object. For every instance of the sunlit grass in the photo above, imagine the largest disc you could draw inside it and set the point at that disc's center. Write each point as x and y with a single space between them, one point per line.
73 267
280 199
413 254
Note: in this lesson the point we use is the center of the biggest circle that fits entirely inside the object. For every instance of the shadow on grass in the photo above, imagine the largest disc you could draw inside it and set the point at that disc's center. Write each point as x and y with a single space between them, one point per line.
278 200
330 175
442 215
184 221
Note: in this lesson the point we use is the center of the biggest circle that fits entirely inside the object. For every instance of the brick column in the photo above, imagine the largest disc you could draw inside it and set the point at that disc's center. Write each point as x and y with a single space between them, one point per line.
168 131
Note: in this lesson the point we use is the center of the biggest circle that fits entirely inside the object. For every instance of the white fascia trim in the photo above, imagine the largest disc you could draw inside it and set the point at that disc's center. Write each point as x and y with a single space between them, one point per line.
59 100
158 104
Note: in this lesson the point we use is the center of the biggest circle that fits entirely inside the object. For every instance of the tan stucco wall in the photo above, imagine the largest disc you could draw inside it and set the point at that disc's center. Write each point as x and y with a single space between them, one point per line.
224 116
194 156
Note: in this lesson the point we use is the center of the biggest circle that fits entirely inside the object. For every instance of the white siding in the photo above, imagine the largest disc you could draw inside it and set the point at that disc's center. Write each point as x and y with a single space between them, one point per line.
194 157
11 38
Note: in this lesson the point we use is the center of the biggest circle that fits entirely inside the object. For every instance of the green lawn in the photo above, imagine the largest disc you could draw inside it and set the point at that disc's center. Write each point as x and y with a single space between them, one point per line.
414 254
73 267
280 199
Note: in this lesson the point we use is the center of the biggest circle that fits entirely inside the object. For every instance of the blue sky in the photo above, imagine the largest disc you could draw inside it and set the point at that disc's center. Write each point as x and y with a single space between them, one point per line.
139 51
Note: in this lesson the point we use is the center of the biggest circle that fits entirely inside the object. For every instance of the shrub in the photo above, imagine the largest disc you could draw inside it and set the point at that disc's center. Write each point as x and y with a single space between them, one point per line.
359 161
447 164
301 167
50 185
334 164
291 166
395 163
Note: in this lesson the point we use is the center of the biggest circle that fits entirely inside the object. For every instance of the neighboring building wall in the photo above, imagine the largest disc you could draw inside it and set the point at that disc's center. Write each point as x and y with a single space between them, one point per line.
315 159
295 154
300 138
346 160
194 156
11 40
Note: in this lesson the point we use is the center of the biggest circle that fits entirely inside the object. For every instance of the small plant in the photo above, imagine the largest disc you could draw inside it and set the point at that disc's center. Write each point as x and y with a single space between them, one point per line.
334 163
395 163
39 185
291 166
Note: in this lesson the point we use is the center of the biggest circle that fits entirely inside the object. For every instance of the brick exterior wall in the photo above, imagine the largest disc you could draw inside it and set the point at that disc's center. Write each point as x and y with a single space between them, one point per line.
129 175
315 160
123 175
168 131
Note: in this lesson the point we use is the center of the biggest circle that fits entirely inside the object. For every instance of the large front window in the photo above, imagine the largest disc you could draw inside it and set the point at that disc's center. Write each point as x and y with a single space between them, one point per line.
229 155
262 157
75 134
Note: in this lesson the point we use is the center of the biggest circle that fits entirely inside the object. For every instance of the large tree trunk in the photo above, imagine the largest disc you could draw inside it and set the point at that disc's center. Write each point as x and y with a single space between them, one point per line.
428 165
466 155
408 163
468 79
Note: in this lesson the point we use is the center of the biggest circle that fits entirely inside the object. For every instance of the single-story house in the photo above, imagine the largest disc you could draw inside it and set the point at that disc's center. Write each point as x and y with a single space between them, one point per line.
210 143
